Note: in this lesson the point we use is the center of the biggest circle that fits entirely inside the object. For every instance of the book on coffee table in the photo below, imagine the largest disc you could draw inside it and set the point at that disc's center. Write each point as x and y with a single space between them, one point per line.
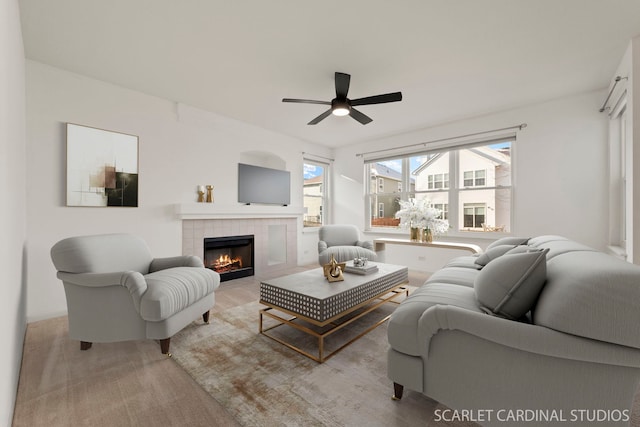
367 269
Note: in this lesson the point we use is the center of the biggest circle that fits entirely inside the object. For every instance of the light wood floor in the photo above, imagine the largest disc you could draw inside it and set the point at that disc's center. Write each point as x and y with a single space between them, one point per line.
120 384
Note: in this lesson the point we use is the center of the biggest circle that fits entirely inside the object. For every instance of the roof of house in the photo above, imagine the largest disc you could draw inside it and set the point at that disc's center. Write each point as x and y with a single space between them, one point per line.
382 170
315 180
498 157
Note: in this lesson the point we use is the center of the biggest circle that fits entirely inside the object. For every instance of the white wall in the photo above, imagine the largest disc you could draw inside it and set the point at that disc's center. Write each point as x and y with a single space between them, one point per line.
559 166
13 205
633 122
179 149
629 67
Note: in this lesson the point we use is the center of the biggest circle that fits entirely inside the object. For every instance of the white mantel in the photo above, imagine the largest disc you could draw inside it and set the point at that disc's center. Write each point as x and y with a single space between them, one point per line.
217 211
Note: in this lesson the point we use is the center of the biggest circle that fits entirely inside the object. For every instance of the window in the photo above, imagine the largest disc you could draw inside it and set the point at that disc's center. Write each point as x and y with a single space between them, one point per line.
314 196
470 185
474 215
383 206
437 181
444 208
475 178
620 163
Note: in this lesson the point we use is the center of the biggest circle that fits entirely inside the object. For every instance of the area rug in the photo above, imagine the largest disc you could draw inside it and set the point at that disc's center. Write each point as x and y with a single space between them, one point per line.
263 383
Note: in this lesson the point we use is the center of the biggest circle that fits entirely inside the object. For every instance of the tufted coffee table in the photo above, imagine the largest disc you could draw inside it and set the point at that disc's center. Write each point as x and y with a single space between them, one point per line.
319 308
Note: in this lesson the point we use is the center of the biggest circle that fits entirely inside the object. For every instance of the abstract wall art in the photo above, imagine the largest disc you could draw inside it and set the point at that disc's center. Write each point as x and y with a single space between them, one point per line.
102 167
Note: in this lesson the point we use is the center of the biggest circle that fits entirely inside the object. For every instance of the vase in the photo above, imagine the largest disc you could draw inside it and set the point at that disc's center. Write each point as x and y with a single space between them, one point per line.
427 235
415 234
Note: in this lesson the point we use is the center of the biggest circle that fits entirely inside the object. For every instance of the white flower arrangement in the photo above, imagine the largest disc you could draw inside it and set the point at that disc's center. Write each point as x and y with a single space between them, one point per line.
421 214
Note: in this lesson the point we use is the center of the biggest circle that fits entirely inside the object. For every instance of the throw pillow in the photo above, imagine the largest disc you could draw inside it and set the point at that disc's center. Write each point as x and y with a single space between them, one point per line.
493 253
513 241
522 248
509 285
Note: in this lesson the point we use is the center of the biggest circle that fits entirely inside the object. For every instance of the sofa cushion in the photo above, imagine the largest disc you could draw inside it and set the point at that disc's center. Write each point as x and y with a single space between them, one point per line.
339 234
591 294
404 333
345 253
455 275
466 261
513 241
560 247
541 240
493 253
103 253
509 285
174 289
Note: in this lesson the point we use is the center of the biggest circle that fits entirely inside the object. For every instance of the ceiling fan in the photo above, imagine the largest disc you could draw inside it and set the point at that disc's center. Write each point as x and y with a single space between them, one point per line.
342 106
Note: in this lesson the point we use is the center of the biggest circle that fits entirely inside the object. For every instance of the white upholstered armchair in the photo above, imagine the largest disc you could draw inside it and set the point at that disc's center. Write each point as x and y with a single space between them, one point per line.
116 291
343 242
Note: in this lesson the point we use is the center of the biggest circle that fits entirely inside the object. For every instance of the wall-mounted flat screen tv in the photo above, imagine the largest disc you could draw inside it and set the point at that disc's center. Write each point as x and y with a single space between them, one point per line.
257 184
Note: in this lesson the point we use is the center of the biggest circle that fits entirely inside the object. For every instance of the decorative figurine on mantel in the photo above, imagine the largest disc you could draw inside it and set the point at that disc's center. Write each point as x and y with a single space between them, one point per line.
333 270
200 193
209 193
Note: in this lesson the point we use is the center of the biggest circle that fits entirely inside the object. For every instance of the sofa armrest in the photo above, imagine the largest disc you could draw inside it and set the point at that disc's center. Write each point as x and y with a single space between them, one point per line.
523 336
94 280
322 246
132 280
158 264
367 244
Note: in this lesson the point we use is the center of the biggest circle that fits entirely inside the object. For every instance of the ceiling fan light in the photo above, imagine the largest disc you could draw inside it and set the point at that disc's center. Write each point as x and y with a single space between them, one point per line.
340 111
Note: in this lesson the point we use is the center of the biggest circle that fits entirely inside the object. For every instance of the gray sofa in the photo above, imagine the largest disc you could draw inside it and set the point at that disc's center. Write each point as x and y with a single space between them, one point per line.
545 328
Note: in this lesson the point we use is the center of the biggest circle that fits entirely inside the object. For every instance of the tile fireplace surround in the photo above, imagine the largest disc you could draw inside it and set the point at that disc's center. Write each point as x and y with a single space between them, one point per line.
275 244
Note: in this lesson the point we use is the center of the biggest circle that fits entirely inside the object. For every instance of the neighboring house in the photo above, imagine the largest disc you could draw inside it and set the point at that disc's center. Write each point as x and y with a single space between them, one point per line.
482 204
386 189
313 201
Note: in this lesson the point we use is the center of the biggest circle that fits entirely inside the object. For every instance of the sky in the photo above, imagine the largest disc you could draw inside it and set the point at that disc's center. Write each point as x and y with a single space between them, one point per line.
311 171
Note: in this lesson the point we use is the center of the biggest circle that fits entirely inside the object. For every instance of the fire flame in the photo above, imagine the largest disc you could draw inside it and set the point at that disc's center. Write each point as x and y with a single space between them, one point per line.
226 263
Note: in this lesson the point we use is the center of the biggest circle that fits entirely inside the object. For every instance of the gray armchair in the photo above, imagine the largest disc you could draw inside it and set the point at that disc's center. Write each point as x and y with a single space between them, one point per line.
343 242
116 291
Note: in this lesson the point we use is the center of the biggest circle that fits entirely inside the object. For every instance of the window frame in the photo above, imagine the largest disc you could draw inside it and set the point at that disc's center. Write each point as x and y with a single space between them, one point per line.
454 189
324 196
434 178
444 207
475 206
474 178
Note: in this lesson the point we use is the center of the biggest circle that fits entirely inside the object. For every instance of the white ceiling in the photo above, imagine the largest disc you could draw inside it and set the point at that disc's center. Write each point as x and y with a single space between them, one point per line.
450 58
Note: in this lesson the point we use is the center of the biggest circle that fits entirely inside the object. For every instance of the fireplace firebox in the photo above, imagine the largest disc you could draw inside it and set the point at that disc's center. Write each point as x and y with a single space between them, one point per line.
230 256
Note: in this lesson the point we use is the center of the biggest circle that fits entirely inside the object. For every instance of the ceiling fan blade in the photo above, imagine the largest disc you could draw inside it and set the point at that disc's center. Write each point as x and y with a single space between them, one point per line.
342 84
362 118
305 101
320 118
378 99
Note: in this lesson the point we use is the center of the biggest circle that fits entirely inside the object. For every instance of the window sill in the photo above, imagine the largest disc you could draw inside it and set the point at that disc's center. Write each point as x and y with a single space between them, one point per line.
617 251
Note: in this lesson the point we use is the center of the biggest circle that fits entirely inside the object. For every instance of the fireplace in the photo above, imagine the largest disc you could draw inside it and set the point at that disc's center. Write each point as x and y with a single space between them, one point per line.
230 256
